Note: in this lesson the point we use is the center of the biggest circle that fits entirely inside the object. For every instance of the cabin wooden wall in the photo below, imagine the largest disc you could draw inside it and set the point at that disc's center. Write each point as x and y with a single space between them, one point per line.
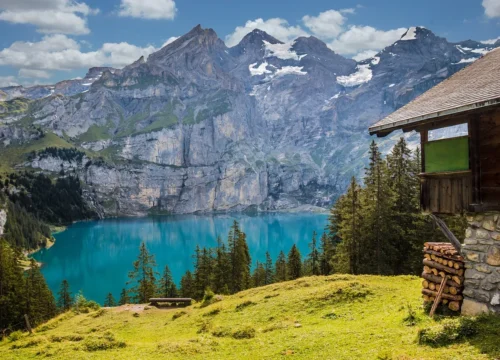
446 193
489 158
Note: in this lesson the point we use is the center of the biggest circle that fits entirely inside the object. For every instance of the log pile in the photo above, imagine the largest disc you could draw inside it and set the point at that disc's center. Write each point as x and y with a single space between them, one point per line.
443 260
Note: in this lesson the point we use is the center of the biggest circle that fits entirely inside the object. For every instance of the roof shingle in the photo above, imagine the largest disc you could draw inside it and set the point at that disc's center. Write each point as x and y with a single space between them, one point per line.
477 85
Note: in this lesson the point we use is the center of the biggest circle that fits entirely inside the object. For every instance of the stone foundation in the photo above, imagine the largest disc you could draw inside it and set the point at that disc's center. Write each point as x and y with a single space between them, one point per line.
481 251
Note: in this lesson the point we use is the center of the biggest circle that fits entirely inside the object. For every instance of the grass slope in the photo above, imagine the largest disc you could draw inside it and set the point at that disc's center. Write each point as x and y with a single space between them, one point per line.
334 317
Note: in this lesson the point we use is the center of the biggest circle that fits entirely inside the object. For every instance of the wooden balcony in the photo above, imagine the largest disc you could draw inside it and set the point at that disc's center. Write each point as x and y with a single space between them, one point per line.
446 192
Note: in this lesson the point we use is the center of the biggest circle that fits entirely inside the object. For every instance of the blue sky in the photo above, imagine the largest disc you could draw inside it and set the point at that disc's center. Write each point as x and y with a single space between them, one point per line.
43 41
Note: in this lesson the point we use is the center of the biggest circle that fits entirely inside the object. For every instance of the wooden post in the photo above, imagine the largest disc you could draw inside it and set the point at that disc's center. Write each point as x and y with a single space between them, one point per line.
438 297
28 325
474 163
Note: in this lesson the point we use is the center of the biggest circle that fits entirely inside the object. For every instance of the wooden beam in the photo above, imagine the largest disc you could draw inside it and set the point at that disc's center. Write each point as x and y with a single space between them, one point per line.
447 233
474 162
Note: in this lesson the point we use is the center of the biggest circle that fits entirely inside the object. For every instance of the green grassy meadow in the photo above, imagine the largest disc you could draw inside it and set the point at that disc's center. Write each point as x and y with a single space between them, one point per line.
333 317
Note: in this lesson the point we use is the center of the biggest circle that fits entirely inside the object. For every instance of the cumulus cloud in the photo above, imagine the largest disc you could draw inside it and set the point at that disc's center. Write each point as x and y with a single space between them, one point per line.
148 9
170 40
328 24
33 73
49 16
490 41
8 81
58 52
279 28
491 8
358 39
360 42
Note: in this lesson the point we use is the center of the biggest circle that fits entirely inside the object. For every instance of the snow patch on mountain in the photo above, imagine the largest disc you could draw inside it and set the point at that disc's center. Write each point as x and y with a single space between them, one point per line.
363 75
282 51
375 60
411 34
290 70
260 70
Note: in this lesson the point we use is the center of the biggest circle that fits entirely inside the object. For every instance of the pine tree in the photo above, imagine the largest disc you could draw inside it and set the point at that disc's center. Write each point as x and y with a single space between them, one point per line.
294 264
378 226
64 298
259 275
314 256
240 258
281 271
269 270
143 276
326 253
187 285
124 298
109 301
39 301
11 288
222 268
167 286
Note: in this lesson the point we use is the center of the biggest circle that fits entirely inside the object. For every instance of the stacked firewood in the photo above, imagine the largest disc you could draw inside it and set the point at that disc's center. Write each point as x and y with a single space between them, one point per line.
442 260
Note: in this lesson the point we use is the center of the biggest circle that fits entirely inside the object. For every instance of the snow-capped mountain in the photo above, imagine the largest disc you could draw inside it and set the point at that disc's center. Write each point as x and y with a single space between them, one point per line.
201 127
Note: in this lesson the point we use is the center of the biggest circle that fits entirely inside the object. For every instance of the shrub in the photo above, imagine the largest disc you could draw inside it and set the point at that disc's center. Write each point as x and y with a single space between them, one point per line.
220 331
105 342
447 332
178 314
208 297
411 317
244 305
84 306
16 335
212 312
246 332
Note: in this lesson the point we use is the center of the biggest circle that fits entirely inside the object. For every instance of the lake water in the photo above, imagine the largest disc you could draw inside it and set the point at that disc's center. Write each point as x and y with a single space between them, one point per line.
96 256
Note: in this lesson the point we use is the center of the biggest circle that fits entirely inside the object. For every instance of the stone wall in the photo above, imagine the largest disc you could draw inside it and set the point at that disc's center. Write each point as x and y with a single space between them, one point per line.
481 250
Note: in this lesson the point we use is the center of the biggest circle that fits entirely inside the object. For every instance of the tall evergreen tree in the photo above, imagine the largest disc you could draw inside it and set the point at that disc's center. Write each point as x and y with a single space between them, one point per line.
314 256
259 275
124 297
11 288
240 258
222 268
294 263
109 301
269 270
379 225
326 252
281 271
39 301
187 285
346 214
167 285
64 298
143 276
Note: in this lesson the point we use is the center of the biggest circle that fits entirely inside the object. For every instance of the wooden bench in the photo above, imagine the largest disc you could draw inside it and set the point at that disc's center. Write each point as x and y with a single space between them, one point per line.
170 301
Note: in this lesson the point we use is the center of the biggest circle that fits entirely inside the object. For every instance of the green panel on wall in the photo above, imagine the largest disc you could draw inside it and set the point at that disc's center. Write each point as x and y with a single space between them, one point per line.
447 155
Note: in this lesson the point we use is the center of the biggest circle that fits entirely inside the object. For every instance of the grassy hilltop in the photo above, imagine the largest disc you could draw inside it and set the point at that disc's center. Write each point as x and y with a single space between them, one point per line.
332 317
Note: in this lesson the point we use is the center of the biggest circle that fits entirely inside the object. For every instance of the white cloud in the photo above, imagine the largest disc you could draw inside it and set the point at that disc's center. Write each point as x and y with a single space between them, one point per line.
33 73
148 9
361 42
49 16
491 8
328 24
358 39
490 41
363 55
170 40
279 28
58 52
8 81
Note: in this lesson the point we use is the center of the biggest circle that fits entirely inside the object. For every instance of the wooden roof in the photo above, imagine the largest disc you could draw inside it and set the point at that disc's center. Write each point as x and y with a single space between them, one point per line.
475 86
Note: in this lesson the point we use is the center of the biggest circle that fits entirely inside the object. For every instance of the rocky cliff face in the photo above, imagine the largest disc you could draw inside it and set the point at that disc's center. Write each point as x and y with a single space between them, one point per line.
200 127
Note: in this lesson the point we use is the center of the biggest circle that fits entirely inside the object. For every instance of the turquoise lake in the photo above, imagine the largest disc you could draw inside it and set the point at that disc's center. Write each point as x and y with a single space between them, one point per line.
96 256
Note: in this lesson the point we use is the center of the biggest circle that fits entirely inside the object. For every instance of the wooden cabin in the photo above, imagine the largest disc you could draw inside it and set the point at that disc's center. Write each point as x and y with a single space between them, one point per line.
459 173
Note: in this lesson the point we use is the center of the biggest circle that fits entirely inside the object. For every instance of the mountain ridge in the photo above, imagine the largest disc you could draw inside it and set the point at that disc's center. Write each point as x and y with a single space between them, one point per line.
200 127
